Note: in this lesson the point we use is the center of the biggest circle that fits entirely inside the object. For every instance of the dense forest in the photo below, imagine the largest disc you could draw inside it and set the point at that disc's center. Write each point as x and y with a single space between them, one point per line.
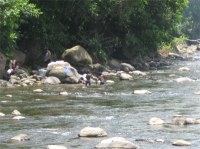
105 28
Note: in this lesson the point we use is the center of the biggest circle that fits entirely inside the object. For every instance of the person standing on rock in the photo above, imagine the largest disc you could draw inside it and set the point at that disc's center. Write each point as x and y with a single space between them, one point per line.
47 58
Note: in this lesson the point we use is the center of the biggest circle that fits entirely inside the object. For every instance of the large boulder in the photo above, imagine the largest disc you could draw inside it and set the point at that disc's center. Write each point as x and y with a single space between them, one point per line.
2 64
63 71
124 76
127 67
19 56
51 80
77 56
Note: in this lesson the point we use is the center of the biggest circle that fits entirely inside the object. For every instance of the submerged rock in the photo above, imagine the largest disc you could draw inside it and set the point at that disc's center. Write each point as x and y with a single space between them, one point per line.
184 79
141 92
156 121
181 120
38 90
138 73
110 81
116 143
64 93
56 147
150 140
10 96
181 143
184 69
18 117
21 137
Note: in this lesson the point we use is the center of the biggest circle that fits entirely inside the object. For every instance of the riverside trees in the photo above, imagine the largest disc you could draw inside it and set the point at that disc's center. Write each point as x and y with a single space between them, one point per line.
106 28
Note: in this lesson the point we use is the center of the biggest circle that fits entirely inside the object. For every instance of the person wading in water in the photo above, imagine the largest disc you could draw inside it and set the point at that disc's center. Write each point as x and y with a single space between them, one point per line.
88 79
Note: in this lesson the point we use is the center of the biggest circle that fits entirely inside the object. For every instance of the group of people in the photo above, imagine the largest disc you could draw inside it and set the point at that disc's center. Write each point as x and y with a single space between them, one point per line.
13 66
89 76
88 79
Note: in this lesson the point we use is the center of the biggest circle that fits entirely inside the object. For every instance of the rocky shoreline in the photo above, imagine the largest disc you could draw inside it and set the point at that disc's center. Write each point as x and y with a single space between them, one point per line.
62 72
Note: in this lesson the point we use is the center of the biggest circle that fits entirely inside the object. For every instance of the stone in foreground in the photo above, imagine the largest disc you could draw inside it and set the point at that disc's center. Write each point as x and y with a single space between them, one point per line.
92 132
116 143
56 147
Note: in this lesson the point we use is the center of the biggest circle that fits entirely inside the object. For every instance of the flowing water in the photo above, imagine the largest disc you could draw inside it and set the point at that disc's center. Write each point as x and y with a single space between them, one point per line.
55 119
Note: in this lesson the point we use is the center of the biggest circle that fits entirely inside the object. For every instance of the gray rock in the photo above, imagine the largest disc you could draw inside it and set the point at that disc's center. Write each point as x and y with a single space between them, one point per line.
51 80
21 137
124 76
127 67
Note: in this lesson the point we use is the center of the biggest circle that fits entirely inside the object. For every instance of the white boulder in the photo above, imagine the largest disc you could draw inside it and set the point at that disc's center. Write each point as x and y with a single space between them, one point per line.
116 143
92 132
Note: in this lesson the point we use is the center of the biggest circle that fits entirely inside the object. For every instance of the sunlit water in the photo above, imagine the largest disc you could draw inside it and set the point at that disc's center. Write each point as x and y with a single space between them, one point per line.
55 119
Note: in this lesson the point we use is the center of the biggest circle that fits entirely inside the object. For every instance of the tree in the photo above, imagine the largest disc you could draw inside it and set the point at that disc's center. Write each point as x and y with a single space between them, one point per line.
13 13
192 20
105 28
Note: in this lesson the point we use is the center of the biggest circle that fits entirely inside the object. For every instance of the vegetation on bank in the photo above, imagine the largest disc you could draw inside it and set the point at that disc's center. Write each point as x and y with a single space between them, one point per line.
105 28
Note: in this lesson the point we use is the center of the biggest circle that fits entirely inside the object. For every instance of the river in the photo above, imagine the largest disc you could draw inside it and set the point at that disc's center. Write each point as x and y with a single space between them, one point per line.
51 118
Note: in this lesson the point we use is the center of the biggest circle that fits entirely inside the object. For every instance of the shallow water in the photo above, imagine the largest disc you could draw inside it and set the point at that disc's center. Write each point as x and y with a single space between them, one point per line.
55 119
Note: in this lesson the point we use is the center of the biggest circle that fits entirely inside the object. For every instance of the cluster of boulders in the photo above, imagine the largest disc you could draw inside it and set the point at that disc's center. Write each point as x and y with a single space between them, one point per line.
176 120
62 72
82 61
117 142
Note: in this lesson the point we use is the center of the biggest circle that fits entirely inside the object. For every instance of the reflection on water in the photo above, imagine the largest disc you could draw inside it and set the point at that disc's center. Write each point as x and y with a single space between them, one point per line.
57 119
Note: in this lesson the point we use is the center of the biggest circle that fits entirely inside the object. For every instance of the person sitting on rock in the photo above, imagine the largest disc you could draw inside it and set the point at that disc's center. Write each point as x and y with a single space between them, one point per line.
11 69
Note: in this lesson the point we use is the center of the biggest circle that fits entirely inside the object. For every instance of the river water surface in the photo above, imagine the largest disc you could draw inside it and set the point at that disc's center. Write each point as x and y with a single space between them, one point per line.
55 119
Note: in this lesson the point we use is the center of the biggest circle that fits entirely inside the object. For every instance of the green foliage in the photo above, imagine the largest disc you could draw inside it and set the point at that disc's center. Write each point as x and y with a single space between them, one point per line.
192 20
12 14
105 28
171 46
